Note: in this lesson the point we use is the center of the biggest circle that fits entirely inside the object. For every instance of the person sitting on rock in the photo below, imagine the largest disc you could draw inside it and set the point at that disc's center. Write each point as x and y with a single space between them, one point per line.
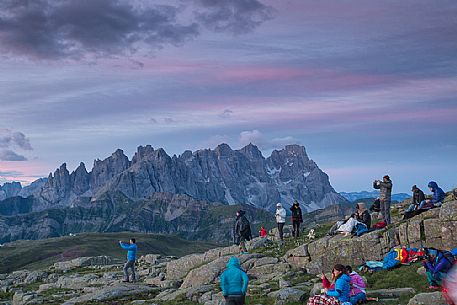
417 198
242 230
234 283
297 218
437 197
340 293
131 257
437 264
357 294
362 215
262 232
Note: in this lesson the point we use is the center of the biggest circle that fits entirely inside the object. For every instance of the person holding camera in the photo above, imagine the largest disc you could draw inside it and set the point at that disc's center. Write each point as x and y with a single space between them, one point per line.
385 193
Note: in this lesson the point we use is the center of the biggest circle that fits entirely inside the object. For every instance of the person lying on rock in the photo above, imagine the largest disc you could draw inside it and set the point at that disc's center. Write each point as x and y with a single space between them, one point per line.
437 264
337 296
437 197
234 283
131 257
357 293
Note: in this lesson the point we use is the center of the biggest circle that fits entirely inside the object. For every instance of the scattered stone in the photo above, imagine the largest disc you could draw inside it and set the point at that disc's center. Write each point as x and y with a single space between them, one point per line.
286 295
84 262
386 293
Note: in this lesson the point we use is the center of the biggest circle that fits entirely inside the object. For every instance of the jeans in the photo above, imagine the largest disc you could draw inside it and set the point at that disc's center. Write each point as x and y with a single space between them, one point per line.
281 230
411 208
357 298
385 208
129 265
296 226
234 300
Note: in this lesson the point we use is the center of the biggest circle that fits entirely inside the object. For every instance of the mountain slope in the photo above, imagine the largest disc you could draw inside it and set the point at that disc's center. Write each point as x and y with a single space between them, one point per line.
114 212
220 175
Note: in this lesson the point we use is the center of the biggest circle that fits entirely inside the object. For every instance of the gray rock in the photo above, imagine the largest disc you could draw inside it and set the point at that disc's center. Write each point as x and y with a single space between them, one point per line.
84 262
434 298
24 298
286 295
386 293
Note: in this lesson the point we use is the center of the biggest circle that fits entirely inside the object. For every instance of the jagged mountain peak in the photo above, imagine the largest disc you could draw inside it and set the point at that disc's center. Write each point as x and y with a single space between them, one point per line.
219 175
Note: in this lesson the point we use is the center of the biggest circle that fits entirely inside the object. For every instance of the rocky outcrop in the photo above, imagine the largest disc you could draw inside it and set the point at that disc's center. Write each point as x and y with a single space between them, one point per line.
83 262
435 298
435 228
220 175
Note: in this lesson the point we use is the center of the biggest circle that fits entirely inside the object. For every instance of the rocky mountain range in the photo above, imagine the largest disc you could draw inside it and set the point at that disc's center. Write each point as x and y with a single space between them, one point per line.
220 175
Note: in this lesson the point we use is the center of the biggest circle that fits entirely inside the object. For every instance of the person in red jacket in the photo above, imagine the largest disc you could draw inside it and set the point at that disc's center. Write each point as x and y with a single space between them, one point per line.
263 232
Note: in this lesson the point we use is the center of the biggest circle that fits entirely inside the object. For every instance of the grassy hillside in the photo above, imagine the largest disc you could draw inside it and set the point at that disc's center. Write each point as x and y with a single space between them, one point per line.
34 254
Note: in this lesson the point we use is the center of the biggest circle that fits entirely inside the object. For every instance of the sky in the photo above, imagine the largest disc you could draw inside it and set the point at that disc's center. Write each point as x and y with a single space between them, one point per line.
368 87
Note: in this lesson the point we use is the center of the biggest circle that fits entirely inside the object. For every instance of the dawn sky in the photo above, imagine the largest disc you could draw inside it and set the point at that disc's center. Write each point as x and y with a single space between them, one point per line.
368 87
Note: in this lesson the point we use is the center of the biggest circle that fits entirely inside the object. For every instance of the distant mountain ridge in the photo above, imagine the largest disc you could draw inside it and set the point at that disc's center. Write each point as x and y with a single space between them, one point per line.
354 196
220 175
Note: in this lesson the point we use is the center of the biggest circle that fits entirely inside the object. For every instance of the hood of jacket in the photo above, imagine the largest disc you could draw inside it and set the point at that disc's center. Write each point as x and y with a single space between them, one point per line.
234 262
433 185
345 277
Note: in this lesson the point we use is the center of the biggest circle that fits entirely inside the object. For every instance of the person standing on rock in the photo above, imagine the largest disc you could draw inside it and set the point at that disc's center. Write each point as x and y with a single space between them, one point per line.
280 220
131 257
385 190
297 218
242 231
234 283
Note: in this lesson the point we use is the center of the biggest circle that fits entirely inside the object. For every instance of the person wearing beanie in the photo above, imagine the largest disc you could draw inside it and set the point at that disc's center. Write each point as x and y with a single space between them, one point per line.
280 220
385 193
417 198
242 231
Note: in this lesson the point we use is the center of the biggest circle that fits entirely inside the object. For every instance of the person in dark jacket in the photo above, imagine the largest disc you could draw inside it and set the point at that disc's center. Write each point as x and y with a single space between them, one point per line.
362 215
242 230
385 193
297 218
437 264
234 283
417 198
131 257
437 197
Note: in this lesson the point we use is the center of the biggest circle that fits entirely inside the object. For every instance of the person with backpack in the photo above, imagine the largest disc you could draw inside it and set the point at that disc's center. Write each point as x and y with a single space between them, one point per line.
131 257
417 198
385 193
357 293
437 264
280 220
234 283
242 231
437 197
339 294
297 218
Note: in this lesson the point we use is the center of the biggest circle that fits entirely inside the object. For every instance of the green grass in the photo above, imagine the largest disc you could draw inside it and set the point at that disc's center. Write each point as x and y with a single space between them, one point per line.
6 296
401 277
38 254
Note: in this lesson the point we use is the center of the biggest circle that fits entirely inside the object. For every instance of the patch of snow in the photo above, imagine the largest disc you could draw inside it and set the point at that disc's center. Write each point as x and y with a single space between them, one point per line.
306 174
287 182
291 164
228 197
273 171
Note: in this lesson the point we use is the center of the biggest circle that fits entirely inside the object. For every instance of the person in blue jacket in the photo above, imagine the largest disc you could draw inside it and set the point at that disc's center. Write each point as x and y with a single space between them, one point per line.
437 264
437 197
337 295
234 283
131 257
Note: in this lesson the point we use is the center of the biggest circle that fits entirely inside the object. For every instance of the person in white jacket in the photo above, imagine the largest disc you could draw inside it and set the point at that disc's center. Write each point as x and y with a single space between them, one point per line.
280 220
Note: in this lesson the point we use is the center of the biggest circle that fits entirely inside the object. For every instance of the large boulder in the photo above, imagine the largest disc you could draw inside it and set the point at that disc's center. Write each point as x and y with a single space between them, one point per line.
287 295
435 298
84 262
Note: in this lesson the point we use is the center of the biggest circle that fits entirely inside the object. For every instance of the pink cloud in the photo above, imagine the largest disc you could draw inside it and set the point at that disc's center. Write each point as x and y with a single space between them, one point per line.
24 172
